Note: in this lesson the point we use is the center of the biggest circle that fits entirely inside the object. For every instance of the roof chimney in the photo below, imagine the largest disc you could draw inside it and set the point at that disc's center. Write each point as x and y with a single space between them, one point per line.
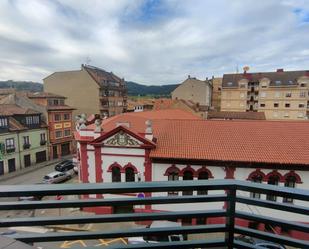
189 77
149 131
279 70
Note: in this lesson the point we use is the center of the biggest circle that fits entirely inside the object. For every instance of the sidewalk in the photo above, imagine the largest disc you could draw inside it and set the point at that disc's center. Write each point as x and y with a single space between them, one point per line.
32 168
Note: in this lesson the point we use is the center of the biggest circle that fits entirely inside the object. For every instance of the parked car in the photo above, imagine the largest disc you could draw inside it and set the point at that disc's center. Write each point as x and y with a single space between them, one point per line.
260 243
158 238
64 165
30 198
56 177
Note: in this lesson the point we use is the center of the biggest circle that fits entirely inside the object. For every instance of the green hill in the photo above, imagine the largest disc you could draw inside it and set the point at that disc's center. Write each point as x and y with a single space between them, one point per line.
134 89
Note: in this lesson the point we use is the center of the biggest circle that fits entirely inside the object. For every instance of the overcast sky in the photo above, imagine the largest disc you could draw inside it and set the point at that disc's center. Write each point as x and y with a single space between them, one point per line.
152 42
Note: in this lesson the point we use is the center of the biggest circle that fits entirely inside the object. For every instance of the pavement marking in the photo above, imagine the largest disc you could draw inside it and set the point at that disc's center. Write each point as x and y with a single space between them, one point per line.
67 244
108 242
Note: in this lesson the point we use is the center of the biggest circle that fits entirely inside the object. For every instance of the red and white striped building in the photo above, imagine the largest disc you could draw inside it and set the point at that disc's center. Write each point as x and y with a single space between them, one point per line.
171 145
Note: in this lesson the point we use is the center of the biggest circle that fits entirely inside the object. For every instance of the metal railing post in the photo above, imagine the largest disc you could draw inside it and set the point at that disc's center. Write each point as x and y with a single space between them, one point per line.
230 219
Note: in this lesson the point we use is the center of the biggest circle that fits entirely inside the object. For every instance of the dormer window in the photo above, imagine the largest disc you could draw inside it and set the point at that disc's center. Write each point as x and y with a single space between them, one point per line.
278 82
230 83
290 82
56 102
30 120
3 122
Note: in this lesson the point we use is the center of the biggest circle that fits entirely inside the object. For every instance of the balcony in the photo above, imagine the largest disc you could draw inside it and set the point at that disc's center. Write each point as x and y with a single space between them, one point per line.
10 150
232 194
26 146
42 142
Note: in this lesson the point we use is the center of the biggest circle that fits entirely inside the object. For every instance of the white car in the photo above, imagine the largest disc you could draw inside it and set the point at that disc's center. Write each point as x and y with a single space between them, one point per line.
158 238
56 177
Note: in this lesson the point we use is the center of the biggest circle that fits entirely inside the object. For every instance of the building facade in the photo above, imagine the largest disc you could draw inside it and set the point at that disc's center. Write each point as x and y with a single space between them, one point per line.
23 138
216 93
194 90
95 90
280 95
132 148
59 118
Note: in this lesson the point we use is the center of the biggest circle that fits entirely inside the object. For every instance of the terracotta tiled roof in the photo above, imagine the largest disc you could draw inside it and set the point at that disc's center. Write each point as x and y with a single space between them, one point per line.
100 75
43 95
236 115
160 104
280 142
9 110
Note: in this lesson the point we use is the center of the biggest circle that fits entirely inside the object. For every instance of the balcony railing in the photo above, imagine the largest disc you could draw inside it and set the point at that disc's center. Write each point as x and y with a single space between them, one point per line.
26 146
231 194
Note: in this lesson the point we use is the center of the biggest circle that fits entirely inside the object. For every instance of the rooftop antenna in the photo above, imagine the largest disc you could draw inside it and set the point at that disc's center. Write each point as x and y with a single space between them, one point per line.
237 69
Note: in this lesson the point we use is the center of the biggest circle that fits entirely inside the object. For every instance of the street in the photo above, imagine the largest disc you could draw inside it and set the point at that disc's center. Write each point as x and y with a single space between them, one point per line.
36 177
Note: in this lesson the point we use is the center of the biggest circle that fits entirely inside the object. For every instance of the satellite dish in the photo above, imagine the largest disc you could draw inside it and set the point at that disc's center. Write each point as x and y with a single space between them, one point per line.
246 68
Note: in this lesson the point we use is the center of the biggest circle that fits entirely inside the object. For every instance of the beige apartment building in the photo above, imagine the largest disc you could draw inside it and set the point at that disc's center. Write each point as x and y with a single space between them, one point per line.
280 95
195 90
90 90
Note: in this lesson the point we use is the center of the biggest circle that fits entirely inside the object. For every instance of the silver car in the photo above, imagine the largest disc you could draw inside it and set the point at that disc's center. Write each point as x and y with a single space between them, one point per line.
56 177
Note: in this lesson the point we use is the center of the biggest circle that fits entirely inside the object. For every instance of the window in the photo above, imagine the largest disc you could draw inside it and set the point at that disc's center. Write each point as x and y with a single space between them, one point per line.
173 175
242 95
58 134
302 94
203 175
57 117
242 85
26 140
276 104
277 94
130 175
56 102
67 132
272 180
287 105
263 94
187 175
230 83
43 137
300 115
66 116
257 179
61 101
302 85
116 175
278 82
10 143
3 122
288 94
290 182
262 105
301 105
286 115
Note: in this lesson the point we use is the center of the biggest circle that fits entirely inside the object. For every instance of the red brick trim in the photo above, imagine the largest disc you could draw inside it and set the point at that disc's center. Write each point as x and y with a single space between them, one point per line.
292 173
129 165
256 173
274 173
171 169
204 169
115 164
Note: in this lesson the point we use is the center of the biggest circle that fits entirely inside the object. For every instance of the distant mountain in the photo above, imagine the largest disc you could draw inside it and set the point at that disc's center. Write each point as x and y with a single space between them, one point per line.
22 85
134 89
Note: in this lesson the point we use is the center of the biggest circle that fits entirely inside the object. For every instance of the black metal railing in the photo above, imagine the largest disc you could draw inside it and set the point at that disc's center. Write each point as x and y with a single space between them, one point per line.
231 193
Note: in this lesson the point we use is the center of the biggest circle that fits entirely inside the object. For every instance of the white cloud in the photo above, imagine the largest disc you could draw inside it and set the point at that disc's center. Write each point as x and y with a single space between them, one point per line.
152 42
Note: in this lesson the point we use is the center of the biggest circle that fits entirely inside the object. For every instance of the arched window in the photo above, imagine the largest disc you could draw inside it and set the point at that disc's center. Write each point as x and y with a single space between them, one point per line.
116 175
272 180
203 175
187 175
172 174
258 178
290 181
130 175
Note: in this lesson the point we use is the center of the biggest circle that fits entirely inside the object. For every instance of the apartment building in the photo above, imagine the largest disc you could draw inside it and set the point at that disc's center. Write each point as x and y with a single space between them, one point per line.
59 118
281 95
193 89
90 90
216 93
23 138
